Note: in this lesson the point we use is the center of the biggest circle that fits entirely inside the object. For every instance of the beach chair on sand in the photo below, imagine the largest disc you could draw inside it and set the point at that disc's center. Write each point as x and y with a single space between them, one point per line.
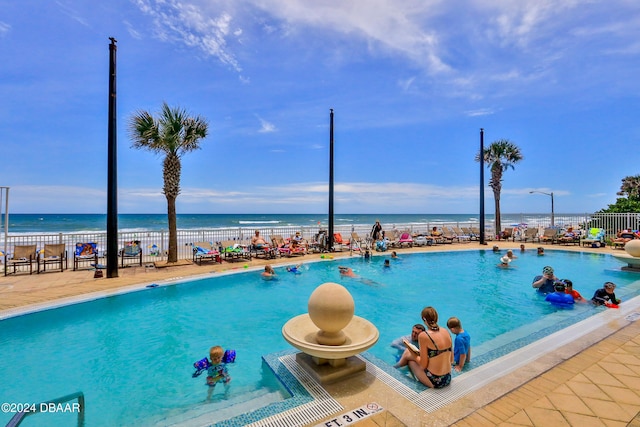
286 249
595 238
204 251
85 253
462 236
529 234
361 243
405 239
549 235
339 243
53 255
233 251
319 243
24 255
132 251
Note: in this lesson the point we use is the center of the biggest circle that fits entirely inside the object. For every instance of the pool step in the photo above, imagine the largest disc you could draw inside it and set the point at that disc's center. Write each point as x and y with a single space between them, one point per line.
213 412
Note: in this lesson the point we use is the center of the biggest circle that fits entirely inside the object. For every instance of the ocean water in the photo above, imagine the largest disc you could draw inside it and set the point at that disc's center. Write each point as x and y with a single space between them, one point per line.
82 223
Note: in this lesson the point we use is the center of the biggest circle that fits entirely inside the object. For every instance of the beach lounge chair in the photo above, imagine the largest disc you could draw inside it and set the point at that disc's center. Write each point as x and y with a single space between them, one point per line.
85 253
390 238
506 234
359 243
449 236
286 248
233 251
405 239
595 238
462 236
319 243
469 232
339 243
549 235
132 251
569 238
204 251
53 255
23 255
530 234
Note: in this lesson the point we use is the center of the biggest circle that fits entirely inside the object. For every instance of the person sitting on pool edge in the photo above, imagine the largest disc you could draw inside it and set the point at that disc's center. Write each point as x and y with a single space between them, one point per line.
545 283
605 295
462 344
412 338
432 367
559 298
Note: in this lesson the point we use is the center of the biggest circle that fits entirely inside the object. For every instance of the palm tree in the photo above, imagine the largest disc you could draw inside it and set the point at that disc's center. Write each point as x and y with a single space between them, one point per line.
499 156
173 133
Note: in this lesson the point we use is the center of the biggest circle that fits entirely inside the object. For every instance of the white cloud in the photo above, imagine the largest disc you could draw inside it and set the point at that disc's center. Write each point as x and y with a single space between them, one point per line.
191 25
4 28
265 126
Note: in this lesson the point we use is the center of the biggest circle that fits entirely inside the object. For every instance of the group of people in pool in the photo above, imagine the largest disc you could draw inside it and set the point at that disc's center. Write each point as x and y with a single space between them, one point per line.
506 259
429 351
560 292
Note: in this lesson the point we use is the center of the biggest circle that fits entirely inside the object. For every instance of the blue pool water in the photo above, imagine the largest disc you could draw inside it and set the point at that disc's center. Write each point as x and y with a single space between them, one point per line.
132 354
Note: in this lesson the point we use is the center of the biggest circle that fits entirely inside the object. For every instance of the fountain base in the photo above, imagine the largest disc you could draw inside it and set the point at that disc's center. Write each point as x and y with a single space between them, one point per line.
328 371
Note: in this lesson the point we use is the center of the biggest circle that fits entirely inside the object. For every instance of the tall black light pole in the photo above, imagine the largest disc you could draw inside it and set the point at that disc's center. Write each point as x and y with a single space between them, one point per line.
112 176
482 242
330 237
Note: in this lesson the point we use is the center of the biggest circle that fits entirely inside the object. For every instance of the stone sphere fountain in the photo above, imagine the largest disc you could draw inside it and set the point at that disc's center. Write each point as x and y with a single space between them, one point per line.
632 256
329 335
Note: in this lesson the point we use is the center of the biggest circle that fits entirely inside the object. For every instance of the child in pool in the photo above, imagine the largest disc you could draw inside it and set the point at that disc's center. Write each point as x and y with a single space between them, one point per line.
605 295
217 370
295 269
461 345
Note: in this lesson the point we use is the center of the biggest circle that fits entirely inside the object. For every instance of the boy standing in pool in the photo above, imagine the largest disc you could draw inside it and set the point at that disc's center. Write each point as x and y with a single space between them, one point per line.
461 345
217 370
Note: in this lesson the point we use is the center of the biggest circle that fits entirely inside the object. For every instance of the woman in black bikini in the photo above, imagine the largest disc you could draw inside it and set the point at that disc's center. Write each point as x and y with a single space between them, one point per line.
432 367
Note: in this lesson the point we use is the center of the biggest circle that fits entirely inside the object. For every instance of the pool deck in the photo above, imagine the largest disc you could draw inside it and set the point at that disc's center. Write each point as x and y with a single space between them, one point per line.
592 381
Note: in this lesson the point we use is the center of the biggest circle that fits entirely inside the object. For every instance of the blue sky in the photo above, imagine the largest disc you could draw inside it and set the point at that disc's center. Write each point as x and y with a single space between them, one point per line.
411 84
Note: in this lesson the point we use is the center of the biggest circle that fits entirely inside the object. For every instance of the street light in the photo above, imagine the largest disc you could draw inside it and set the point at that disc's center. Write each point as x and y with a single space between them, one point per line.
552 212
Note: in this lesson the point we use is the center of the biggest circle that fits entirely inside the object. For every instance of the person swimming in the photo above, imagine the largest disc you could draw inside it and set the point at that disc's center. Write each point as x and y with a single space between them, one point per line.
295 269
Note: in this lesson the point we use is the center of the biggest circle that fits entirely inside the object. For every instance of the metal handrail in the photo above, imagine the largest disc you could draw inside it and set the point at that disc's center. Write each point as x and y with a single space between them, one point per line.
17 418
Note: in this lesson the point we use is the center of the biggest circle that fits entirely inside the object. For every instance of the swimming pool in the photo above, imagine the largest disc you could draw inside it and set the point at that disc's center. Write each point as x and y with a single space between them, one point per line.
132 354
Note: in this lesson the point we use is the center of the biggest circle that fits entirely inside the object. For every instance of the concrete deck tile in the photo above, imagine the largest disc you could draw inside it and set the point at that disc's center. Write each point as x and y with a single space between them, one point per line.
615 368
542 403
597 376
546 417
586 390
570 404
564 389
581 420
626 359
629 381
491 415
622 394
502 409
608 410
612 423
521 418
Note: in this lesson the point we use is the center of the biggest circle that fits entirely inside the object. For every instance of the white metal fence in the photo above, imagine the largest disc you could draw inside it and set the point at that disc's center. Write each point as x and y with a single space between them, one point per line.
155 243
